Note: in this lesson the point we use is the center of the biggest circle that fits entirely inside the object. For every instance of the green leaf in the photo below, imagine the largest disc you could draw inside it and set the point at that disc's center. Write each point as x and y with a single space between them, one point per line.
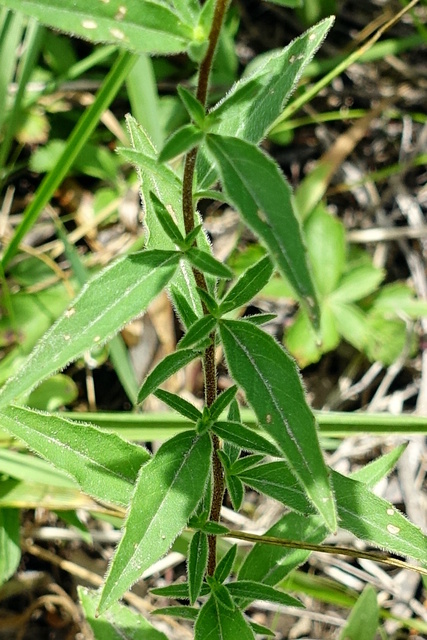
216 622
195 109
166 494
177 591
214 528
162 180
209 301
261 318
119 623
180 405
275 480
254 102
255 185
197 562
198 332
360 511
181 141
239 466
325 237
245 438
188 613
264 631
236 490
206 263
373 519
166 368
10 551
103 464
250 590
376 470
146 26
169 226
221 402
270 564
116 295
358 283
247 286
225 565
222 596
273 388
364 618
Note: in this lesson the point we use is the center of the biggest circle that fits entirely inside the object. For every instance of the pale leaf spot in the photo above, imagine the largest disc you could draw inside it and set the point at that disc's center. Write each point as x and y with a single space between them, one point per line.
97 338
117 33
390 512
268 418
120 13
392 529
70 312
292 59
312 36
67 337
89 24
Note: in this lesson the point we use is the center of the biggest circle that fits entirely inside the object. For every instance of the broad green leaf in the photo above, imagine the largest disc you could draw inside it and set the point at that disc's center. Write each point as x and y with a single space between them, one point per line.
273 388
146 26
364 618
167 492
180 405
302 341
254 102
166 368
271 564
116 295
398 297
103 464
10 551
206 263
358 283
373 519
360 511
247 286
216 622
198 332
351 322
255 185
225 565
325 237
196 566
180 142
119 623
251 590
245 438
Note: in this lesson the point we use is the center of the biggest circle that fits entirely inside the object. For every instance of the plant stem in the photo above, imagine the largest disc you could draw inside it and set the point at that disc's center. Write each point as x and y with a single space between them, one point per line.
209 365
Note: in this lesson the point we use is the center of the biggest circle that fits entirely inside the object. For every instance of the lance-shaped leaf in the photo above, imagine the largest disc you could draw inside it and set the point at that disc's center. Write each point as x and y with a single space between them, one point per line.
245 438
10 552
251 590
217 622
256 101
273 388
247 286
180 142
119 623
119 293
197 561
198 332
166 494
255 185
166 184
164 370
146 25
104 465
361 512
178 404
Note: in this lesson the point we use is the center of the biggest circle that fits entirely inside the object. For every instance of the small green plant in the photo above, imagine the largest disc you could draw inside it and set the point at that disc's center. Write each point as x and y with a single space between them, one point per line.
182 486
